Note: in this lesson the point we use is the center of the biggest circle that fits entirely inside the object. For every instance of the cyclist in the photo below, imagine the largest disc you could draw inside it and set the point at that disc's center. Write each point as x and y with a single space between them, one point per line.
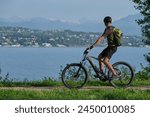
105 56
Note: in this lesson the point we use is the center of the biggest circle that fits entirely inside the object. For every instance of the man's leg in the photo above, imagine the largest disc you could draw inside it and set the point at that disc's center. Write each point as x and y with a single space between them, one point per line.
110 67
101 64
101 58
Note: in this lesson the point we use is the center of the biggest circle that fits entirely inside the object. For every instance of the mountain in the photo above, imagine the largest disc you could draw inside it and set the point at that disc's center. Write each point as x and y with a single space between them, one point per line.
126 24
129 25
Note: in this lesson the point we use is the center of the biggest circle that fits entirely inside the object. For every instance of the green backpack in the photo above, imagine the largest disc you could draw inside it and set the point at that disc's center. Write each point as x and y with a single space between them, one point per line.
118 35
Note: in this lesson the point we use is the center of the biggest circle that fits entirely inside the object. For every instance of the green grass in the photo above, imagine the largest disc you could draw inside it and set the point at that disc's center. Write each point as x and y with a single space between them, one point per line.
65 94
50 82
45 82
136 82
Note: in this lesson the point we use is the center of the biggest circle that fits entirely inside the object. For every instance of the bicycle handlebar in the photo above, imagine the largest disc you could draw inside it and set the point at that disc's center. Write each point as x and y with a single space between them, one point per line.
89 48
86 51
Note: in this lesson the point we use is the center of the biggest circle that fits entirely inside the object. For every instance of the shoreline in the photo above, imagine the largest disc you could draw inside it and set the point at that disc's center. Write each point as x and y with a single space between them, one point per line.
73 47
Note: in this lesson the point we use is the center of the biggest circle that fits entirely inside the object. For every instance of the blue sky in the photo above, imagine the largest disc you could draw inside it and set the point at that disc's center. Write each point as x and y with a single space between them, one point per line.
72 10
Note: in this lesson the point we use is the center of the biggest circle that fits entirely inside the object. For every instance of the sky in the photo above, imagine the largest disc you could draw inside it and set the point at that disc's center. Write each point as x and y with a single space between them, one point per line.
70 10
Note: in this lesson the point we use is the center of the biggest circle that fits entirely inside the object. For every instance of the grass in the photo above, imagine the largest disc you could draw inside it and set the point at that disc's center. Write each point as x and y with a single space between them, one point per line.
51 82
44 82
65 94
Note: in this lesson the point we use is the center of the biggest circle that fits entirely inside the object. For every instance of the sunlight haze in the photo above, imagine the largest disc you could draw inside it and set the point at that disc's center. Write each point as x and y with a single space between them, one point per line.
70 10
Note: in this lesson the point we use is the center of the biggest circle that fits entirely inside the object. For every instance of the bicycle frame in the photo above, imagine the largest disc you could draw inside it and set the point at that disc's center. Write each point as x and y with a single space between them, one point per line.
88 58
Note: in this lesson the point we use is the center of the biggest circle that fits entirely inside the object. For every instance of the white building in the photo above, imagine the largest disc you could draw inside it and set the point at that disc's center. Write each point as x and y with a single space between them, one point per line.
46 45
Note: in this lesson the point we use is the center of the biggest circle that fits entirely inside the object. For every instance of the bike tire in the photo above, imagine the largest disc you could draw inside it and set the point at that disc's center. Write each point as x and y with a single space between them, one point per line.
130 77
80 68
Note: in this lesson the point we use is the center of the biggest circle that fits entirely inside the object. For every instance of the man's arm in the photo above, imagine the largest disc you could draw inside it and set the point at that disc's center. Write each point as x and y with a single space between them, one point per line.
99 40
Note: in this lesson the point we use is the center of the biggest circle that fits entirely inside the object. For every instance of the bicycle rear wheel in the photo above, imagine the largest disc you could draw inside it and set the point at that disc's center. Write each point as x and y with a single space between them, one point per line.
125 75
74 75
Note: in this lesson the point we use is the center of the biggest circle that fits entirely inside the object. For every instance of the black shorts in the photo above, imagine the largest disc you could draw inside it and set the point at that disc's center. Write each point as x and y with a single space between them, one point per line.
108 52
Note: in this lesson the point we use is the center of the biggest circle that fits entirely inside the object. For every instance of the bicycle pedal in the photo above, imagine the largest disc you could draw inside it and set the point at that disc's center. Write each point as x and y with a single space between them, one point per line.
96 76
103 79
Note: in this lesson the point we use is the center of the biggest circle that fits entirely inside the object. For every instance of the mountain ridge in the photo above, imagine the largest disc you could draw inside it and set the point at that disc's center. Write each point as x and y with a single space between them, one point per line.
126 24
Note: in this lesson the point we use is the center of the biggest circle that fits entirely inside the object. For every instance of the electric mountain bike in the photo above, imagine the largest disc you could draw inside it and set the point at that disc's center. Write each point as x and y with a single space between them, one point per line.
75 75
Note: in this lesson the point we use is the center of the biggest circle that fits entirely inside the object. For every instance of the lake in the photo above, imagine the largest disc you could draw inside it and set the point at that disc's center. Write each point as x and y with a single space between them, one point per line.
37 63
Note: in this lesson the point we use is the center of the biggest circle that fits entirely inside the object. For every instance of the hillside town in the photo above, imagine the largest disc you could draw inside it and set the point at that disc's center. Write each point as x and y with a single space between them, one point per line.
24 37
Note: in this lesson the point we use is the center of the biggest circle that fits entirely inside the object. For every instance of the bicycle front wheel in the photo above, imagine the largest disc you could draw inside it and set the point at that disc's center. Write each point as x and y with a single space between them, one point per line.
74 76
125 74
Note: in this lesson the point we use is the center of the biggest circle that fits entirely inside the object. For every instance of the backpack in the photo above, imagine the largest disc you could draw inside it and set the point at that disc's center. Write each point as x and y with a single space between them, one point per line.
118 35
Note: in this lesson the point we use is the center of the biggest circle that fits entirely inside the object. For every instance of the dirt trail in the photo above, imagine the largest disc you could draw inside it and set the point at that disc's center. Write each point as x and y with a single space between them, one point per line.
84 88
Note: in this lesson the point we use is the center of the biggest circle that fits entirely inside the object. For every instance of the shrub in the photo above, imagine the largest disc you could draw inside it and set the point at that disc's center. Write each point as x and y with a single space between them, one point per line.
144 74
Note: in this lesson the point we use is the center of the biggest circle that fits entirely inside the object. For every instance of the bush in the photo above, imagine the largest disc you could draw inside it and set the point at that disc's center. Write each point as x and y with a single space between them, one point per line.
147 57
144 74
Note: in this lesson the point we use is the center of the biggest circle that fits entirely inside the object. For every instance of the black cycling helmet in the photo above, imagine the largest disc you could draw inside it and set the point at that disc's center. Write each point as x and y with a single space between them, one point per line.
107 19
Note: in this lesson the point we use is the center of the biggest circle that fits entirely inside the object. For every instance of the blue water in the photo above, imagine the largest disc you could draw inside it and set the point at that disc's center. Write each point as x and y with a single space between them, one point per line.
37 63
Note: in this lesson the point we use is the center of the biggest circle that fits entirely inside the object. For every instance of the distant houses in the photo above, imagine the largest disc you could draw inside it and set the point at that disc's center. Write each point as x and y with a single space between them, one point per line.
24 37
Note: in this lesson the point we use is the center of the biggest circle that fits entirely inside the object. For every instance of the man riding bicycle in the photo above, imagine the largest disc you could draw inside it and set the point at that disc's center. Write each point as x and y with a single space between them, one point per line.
105 56
121 74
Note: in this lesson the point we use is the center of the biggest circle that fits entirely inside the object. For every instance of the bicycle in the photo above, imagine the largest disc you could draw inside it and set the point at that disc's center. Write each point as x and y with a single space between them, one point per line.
75 75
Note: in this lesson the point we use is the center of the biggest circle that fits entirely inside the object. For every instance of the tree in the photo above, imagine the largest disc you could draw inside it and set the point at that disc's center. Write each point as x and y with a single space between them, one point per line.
144 7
